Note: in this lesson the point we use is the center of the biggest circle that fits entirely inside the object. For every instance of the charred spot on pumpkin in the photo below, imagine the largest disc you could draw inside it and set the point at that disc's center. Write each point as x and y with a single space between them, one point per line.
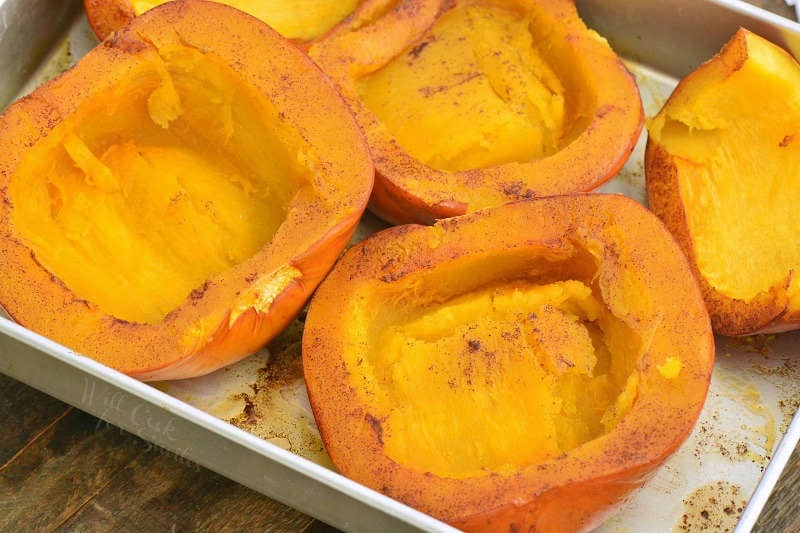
388 264
604 110
461 78
376 426
417 49
786 141
198 293
410 9
564 360
514 189
391 277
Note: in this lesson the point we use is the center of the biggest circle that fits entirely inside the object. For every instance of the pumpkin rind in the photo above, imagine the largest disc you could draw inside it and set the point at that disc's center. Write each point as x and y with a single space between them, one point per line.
237 310
607 242
604 114
107 16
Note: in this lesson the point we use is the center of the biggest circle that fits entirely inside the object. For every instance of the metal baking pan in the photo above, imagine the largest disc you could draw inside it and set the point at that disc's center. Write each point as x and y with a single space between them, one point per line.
251 422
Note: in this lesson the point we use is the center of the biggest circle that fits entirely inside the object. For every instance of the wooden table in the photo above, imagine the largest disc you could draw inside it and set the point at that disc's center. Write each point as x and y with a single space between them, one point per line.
61 468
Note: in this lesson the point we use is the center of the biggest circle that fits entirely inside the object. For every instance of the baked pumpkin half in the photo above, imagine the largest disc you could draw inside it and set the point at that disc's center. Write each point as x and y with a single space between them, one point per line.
301 21
519 368
722 166
474 103
171 202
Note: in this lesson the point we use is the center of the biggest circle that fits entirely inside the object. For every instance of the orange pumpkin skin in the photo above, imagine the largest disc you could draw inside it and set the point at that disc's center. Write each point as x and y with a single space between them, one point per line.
107 16
681 194
233 311
605 114
611 244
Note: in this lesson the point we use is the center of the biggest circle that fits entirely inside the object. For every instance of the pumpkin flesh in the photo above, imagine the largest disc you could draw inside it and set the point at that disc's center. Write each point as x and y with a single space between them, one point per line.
300 21
475 92
134 219
727 143
525 365
294 19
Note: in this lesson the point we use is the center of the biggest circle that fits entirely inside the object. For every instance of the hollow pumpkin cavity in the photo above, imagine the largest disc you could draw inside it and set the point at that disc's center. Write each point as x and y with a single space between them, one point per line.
490 83
533 369
156 184
294 19
735 142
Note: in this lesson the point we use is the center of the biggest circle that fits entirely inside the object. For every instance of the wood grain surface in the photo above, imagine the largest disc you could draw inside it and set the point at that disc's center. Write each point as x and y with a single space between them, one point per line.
62 469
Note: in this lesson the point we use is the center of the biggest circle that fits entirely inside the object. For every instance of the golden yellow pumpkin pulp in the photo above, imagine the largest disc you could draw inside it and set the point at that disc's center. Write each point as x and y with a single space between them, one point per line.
156 184
532 369
487 85
294 19
735 141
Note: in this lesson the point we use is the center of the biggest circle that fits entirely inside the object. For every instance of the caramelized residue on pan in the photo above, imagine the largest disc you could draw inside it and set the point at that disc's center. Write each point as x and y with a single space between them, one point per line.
713 507
277 410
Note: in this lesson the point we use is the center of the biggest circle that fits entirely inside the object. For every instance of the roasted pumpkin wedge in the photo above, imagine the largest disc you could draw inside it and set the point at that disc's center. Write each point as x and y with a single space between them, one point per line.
474 103
520 368
723 171
299 20
171 202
